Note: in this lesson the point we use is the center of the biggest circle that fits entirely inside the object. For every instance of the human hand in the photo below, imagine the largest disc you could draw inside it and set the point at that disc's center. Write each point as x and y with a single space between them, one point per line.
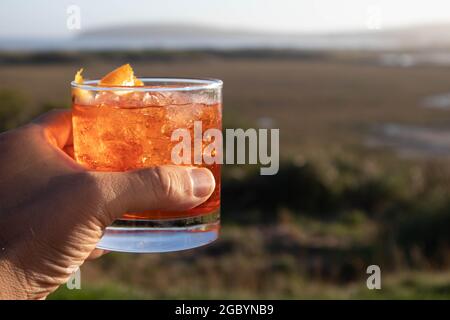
53 211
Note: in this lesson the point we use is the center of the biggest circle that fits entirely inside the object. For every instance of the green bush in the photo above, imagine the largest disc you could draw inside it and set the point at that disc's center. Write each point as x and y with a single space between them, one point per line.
12 106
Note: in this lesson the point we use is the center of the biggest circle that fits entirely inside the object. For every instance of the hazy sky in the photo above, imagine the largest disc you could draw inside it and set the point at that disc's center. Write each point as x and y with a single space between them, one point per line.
48 17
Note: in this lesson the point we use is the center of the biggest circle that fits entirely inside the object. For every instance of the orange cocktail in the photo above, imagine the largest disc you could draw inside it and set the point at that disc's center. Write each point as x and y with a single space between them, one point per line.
129 126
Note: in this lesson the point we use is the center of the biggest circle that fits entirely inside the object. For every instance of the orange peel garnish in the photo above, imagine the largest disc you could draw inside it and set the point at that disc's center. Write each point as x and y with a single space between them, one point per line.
78 77
122 76
80 95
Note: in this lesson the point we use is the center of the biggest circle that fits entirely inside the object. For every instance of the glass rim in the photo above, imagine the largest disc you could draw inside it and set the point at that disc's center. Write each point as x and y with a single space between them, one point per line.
191 84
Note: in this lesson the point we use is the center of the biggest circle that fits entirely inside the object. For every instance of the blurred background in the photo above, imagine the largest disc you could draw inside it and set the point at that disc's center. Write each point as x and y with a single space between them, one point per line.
360 91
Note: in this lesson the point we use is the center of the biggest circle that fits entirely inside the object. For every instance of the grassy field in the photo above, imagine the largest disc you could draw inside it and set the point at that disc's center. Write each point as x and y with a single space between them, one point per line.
336 205
412 285
317 103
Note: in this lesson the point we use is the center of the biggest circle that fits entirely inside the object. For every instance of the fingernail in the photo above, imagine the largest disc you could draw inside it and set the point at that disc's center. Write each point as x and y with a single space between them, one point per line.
202 181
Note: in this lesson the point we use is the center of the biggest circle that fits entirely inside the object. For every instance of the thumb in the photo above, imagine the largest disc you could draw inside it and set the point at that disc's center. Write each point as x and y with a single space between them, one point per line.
160 188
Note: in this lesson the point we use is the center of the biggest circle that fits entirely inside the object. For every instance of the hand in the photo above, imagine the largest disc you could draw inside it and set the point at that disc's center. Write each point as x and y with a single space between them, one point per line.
53 212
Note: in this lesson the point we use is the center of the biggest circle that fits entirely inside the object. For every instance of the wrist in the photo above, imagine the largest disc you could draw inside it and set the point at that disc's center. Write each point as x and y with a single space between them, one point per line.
12 281
16 279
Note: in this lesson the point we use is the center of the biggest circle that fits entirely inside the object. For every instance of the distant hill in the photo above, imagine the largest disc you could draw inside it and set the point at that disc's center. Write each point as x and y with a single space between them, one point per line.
159 30
416 37
181 36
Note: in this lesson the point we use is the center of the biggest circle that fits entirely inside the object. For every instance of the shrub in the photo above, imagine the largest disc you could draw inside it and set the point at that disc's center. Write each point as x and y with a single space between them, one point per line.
12 105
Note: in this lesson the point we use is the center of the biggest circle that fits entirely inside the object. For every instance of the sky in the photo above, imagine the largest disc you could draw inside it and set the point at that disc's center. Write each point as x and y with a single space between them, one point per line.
48 18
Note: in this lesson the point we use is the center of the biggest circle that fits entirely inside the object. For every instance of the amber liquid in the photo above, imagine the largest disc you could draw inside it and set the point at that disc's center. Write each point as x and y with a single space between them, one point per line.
119 138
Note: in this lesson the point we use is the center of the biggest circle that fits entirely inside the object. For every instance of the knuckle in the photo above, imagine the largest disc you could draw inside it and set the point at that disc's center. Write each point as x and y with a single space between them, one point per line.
107 200
171 182
162 182
138 182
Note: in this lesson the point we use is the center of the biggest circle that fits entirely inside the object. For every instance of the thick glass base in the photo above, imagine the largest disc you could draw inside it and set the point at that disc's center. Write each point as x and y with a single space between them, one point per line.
146 236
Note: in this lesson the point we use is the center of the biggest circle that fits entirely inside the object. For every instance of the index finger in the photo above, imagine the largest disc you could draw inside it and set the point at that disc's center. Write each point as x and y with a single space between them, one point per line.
58 127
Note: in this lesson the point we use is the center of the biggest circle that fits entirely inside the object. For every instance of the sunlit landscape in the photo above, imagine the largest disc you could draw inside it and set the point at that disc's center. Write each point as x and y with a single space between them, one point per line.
364 177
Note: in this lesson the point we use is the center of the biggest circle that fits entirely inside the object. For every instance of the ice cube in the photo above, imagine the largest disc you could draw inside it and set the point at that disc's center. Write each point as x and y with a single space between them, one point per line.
205 97
156 99
106 98
183 116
